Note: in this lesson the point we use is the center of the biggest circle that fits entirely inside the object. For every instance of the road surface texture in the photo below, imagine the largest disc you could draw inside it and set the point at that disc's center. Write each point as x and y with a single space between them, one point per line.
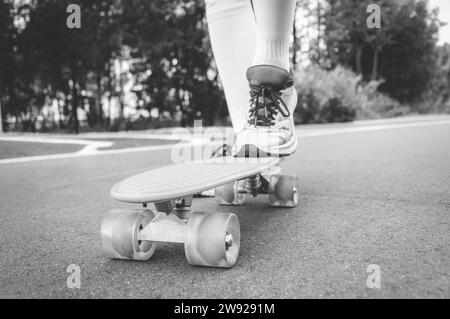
379 196
10 149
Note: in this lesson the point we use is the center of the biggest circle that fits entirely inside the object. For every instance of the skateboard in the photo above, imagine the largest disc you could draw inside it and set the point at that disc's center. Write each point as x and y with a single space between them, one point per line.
210 239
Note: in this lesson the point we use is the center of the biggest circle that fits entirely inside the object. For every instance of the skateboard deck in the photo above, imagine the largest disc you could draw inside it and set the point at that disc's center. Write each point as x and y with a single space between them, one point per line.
180 180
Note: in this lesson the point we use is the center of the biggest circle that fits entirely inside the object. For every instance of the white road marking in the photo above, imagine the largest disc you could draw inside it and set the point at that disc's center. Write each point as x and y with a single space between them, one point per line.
93 147
90 146
86 154
45 140
303 133
357 129
134 135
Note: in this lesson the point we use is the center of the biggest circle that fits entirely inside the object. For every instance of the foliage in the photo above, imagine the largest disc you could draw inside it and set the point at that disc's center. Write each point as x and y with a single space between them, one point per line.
401 52
339 95
157 54
439 89
162 44
170 42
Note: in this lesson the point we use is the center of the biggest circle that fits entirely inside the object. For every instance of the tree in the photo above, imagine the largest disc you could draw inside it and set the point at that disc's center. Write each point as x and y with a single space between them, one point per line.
7 62
1 117
67 60
439 90
401 52
55 54
408 62
169 41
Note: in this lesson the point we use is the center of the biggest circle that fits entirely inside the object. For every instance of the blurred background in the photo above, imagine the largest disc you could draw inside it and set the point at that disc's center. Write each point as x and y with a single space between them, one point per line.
139 64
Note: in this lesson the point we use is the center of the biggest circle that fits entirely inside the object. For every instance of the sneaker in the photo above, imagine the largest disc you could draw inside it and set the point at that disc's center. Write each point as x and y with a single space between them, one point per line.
270 129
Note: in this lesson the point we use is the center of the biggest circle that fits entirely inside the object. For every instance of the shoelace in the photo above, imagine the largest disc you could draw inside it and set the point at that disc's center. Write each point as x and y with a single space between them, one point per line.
272 104
222 151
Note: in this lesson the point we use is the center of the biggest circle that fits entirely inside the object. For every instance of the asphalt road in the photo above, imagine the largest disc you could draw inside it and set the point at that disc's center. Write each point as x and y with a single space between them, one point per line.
367 197
9 149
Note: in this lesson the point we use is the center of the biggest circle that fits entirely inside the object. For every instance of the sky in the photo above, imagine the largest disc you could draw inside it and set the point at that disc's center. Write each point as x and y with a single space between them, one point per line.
444 15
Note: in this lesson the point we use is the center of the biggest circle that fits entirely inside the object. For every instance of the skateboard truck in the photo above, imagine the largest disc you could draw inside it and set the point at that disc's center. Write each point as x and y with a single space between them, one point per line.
282 190
252 186
180 207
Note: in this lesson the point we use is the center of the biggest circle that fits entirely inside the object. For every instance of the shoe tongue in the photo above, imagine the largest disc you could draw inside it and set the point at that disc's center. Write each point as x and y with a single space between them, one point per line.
273 76
261 112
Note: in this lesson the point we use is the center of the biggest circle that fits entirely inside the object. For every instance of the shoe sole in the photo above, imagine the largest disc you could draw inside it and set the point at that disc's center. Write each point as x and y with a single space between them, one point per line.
251 150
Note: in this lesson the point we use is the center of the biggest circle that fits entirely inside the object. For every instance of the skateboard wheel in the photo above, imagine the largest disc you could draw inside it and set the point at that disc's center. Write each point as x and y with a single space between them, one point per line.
228 195
213 240
119 235
283 191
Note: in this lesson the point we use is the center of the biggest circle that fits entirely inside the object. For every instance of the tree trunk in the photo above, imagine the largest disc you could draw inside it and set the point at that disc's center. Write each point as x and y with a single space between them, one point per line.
358 59
294 35
319 21
121 93
375 65
75 100
16 122
1 117
63 111
99 98
110 88
12 103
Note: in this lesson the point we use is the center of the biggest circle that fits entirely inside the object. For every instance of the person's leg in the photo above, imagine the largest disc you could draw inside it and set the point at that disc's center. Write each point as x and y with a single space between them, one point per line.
275 20
254 36
270 127
232 31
